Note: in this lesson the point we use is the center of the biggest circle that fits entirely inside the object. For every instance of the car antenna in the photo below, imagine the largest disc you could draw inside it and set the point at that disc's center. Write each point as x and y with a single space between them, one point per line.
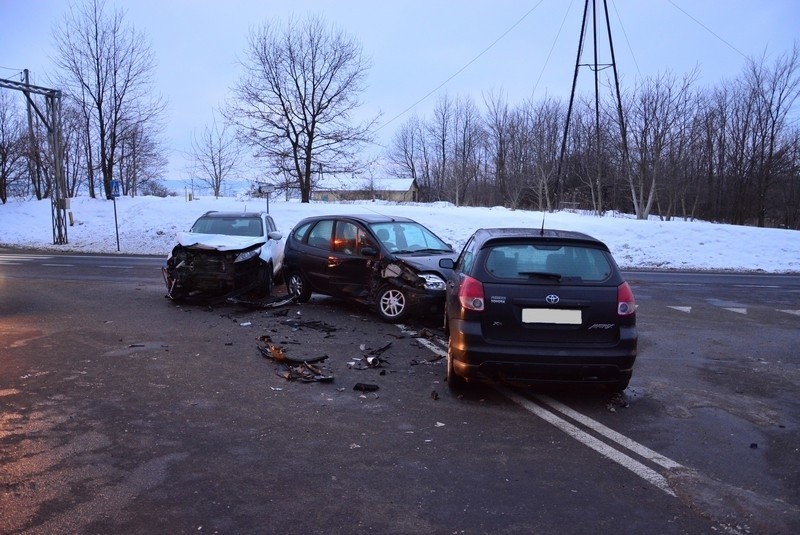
541 233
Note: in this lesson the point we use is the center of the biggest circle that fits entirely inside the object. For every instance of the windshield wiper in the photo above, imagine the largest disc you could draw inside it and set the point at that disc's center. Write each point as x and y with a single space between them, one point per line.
432 250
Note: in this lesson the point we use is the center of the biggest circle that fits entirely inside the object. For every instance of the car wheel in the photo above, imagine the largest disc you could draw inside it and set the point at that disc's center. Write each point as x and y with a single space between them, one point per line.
619 386
298 287
391 304
455 382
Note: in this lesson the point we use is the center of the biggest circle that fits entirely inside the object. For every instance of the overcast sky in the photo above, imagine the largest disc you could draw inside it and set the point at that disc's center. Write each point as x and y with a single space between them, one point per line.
420 50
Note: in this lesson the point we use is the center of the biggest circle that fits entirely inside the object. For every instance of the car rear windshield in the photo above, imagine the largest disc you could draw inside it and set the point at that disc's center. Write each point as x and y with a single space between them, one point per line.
526 261
229 226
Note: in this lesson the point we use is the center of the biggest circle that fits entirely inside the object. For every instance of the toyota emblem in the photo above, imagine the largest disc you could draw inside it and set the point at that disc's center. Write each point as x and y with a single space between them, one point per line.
552 299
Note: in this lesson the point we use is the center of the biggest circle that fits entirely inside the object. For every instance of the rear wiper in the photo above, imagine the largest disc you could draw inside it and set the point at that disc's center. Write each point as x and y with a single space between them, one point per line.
542 274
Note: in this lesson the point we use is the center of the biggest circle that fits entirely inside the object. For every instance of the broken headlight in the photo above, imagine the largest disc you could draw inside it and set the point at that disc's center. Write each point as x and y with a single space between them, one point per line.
247 255
432 281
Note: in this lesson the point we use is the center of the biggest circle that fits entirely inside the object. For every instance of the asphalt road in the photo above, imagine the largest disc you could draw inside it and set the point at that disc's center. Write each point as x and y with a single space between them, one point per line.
125 412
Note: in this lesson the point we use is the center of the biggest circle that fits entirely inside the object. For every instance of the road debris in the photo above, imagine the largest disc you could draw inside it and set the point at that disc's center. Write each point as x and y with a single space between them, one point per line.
298 324
270 302
365 387
294 369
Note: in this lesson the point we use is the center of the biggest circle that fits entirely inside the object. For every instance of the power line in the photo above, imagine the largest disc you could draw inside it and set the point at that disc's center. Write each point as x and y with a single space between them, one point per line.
459 71
627 41
709 30
552 47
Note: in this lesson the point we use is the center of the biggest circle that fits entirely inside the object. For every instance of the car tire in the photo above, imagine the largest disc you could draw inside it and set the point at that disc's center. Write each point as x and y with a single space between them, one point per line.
391 303
297 286
265 285
455 382
620 385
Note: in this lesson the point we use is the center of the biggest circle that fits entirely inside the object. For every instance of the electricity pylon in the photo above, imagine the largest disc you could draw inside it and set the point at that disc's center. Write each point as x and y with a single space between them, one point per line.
596 68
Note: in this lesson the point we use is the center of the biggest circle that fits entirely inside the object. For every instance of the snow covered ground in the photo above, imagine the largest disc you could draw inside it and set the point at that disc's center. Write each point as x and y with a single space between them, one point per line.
147 225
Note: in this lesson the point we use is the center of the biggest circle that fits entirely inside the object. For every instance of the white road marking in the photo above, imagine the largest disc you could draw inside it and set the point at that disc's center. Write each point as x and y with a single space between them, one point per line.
688 310
644 472
619 438
59 265
436 350
648 474
737 310
795 312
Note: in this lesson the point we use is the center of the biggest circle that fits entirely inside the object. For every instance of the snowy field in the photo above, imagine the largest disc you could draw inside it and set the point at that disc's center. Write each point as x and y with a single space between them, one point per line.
147 225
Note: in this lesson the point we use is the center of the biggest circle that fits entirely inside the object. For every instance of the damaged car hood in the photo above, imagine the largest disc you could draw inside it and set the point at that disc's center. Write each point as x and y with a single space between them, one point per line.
218 242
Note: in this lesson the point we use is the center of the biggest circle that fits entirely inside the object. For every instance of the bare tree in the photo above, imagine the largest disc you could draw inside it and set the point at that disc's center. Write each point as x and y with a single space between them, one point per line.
108 68
775 90
438 134
498 133
141 159
658 105
295 103
406 149
468 138
12 149
216 155
549 115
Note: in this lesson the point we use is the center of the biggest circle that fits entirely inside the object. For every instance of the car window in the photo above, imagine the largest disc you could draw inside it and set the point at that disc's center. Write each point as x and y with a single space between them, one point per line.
467 257
346 239
271 227
523 260
408 236
229 226
300 232
320 235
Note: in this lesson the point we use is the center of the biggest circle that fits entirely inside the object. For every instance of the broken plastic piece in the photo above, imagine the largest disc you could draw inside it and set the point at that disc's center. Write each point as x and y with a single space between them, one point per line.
365 387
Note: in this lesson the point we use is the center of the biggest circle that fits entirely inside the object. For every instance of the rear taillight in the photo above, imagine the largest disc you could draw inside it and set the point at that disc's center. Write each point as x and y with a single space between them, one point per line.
626 304
470 293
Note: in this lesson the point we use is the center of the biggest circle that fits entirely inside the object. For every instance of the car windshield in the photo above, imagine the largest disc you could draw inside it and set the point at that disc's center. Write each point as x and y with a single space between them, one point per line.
408 237
229 226
533 261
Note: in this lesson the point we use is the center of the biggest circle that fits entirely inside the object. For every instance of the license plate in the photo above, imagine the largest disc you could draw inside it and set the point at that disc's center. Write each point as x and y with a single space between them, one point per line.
558 316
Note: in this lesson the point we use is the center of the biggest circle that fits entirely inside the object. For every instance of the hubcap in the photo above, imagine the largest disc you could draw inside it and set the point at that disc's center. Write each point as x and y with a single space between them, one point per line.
393 303
296 285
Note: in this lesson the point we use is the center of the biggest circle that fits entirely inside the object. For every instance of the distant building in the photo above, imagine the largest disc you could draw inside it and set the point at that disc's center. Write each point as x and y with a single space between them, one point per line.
384 189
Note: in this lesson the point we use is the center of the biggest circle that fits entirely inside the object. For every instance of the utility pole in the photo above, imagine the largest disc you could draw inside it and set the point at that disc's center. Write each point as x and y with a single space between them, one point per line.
51 118
596 68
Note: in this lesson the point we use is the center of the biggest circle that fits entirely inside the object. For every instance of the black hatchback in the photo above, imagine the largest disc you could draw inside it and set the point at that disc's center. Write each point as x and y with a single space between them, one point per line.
538 306
389 262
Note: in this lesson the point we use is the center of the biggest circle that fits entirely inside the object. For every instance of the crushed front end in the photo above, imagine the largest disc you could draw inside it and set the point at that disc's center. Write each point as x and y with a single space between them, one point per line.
202 273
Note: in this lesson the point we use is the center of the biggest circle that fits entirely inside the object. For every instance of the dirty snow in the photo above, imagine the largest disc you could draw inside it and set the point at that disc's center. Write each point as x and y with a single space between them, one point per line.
148 225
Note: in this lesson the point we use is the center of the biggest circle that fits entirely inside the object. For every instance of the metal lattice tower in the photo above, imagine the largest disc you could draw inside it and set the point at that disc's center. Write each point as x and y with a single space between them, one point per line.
596 68
51 118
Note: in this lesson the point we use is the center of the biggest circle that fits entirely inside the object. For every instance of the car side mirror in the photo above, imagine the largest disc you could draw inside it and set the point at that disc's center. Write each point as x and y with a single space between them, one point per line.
369 251
447 263
275 235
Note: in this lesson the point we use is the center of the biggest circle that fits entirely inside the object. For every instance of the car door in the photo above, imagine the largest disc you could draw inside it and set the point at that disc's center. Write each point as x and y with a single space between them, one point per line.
349 270
315 253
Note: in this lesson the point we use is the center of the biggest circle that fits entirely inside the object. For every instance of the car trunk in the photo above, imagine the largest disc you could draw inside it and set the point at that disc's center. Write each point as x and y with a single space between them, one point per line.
528 312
